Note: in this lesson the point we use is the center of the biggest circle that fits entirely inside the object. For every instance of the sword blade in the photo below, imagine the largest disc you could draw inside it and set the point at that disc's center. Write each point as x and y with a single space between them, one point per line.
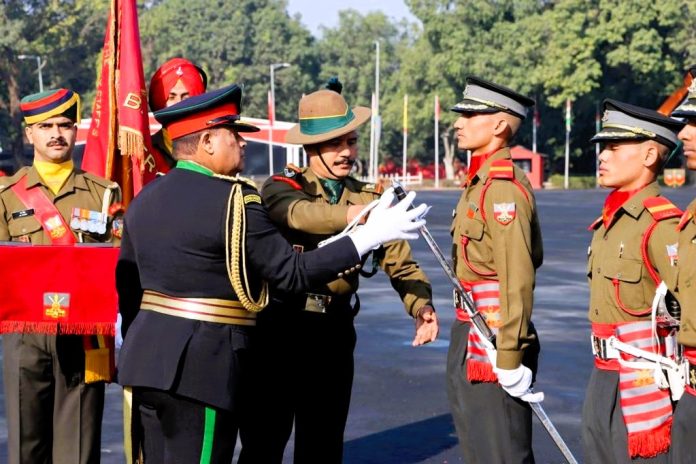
551 429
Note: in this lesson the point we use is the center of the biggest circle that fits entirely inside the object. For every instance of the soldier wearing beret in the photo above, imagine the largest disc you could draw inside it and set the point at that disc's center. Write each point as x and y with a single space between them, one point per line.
496 250
627 413
683 448
174 81
199 253
310 337
53 405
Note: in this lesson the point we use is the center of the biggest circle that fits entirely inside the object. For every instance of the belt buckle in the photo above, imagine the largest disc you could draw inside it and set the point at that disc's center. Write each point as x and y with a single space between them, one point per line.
599 346
317 303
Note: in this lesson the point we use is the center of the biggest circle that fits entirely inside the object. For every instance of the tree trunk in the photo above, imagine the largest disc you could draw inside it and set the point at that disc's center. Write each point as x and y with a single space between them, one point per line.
449 153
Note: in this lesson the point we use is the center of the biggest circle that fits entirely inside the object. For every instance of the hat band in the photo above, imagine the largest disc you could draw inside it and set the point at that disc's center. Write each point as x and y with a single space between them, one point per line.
317 126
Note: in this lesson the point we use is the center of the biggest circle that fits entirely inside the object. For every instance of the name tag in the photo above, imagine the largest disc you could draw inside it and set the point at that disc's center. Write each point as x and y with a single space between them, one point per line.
23 213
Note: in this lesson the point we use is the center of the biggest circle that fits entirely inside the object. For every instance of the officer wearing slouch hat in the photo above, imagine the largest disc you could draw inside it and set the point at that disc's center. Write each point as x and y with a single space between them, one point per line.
627 414
683 448
310 337
496 250
199 253
174 81
54 383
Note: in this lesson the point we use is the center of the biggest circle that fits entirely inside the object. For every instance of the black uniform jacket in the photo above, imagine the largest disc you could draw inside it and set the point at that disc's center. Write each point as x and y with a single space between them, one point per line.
174 243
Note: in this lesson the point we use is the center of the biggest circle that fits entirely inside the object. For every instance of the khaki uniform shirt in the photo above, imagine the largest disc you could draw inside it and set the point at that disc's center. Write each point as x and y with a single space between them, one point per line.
81 190
615 255
686 277
510 251
305 217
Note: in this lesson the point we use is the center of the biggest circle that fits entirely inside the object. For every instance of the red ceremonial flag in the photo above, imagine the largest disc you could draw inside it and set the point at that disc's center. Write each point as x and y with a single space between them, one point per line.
118 143
58 289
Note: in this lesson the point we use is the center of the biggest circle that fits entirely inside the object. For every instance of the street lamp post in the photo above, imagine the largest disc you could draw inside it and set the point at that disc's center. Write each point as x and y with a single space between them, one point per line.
39 65
271 115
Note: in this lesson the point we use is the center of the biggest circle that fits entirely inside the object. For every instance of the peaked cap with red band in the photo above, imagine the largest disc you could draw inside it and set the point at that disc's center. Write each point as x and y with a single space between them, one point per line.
211 109
165 78
38 107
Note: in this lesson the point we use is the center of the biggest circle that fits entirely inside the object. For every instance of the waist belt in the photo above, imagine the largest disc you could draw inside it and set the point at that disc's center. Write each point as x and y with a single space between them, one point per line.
318 303
200 309
602 350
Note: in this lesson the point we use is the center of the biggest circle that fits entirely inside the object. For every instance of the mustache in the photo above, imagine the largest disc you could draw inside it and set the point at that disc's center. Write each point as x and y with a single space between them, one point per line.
347 161
60 141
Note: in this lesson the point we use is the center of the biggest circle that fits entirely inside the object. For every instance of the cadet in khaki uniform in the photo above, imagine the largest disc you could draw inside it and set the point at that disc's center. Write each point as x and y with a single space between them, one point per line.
310 337
683 447
496 251
52 414
626 417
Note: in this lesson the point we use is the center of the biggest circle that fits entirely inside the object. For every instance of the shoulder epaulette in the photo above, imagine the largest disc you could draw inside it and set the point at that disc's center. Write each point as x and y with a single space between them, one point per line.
247 181
661 208
686 217
106 183
595 224
7 182
501 169
293 183
373 188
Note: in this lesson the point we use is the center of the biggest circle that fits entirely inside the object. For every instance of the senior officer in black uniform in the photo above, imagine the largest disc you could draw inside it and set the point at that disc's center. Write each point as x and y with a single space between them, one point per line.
310 337
197 250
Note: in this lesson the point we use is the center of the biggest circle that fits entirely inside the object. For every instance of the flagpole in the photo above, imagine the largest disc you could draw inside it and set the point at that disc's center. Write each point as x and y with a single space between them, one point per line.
270 128
535 123
567 144
437 141
371 168
405 137
376 111
597 124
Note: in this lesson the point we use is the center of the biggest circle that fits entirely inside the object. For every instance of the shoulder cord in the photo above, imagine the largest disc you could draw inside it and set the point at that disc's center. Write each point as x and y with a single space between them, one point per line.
235 253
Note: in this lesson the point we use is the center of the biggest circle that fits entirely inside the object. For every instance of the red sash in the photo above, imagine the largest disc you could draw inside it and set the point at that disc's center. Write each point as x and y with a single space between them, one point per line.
46 212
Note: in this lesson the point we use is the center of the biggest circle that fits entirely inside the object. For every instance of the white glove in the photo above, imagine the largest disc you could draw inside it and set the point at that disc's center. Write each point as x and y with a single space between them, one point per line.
386 223
517 383
118 340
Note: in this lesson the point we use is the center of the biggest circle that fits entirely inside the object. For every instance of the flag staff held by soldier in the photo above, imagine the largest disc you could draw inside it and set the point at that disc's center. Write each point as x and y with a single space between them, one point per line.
627 413
197 288
55 364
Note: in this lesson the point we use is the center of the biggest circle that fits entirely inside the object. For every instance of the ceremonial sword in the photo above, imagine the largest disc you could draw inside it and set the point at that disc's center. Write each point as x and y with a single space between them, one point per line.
480 323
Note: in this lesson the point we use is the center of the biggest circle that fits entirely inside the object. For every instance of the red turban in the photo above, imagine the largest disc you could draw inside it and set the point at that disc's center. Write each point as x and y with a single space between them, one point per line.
166 77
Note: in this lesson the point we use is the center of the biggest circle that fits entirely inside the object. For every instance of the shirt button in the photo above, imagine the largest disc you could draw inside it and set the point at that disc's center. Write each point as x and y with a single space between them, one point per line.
599 270
358 266
596 311
340 274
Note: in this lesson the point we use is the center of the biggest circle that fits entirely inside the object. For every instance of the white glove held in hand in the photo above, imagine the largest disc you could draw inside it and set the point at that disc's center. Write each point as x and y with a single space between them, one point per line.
386 223
517 383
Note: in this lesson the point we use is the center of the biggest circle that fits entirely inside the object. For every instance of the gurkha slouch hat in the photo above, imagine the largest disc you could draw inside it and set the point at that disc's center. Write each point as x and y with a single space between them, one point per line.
325 115
623 122
482 96
216 108
688 107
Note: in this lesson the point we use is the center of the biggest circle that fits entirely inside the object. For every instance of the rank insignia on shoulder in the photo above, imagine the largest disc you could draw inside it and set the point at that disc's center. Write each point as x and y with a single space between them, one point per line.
291 170
661 208
504 213
501 169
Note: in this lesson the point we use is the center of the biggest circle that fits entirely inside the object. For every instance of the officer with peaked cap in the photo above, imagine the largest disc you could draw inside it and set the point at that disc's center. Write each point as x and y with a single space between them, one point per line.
627 413
310 336
54 384
199 253
683 447
496 250
174 81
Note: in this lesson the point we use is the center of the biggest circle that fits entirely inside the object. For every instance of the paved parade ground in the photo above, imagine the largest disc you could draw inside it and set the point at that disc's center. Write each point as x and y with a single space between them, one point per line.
399 412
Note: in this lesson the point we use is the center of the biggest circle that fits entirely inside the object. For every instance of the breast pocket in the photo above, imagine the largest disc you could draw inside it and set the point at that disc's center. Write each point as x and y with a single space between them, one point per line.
23 227
471 235
626 276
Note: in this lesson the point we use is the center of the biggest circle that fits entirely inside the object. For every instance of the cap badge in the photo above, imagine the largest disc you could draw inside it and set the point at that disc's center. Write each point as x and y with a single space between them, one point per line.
179 71
605 116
